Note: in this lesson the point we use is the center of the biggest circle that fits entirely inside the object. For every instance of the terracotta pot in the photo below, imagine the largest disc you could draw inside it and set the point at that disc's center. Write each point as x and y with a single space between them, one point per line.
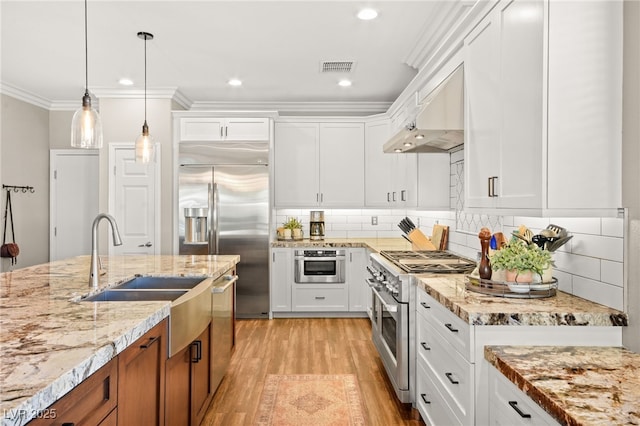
514 276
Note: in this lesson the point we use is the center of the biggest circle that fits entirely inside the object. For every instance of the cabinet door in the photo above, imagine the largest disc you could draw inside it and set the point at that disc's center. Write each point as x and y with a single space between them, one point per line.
281 279
405 180
342 164
201 389
520 178
482 133
296 164
141 384
378 165
434 181
247 129
201 129
359 291
178 388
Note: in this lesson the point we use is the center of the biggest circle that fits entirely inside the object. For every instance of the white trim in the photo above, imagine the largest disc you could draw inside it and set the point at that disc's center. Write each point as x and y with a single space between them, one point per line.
297 108
157 188
25 96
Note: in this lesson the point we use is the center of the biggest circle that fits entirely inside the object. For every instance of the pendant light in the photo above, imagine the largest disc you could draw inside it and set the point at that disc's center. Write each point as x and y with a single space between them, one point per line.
86 126
144 142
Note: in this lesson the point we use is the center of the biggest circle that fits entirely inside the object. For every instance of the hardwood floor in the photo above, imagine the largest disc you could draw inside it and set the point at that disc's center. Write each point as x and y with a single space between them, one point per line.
304 346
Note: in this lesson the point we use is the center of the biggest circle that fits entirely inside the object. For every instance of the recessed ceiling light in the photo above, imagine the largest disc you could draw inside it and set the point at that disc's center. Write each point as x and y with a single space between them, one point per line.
367 14
397 150
419 136
408 144
235 82
126 82
344 83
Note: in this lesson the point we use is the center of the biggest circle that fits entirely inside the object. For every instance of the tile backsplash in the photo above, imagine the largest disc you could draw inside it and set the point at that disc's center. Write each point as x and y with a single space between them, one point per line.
590 265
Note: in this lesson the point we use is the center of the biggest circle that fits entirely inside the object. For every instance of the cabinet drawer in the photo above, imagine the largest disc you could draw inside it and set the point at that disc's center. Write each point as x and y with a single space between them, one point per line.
431 404
88 403
449 325
320 299
453 374
201 129
508 405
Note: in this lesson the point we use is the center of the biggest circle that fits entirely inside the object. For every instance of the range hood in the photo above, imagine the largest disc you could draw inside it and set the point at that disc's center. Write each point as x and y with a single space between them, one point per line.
439 124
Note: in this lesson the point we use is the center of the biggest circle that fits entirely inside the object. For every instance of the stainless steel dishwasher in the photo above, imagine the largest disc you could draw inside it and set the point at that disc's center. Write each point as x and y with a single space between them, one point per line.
222 326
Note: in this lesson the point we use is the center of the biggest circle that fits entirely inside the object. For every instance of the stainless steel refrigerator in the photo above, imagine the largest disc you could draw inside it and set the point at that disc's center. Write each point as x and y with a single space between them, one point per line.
223 208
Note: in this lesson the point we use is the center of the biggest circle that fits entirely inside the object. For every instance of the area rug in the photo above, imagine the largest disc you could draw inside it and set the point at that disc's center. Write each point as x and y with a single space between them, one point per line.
310 399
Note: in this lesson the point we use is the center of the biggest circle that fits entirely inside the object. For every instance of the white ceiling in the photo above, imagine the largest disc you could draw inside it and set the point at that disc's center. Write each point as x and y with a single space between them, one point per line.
274 47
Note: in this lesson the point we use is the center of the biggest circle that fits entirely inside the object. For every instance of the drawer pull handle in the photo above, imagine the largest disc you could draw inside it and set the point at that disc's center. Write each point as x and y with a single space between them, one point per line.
151 341
424 398
424 345
424 305
514 405
319 297
449 376
451 329
68 424
197 344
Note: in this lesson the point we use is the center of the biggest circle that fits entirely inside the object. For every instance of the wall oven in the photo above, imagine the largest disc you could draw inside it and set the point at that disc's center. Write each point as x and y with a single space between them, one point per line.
319 266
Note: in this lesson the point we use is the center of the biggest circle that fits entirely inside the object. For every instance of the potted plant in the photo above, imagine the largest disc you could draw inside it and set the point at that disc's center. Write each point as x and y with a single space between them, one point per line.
293 228
522 262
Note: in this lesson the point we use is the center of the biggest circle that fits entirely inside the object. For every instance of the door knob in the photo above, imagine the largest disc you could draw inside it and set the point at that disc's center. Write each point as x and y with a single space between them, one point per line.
147 244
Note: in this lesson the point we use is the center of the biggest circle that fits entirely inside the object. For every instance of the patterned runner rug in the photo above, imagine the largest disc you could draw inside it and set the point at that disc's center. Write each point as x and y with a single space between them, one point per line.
310 399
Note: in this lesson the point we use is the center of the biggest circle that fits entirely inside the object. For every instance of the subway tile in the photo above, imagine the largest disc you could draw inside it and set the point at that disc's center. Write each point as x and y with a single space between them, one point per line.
455 156
613 227
578 225
598 292
507 221
361 234
565 281
612 273
289 212
375 212
335 234
379 227
389 234
584 266
335 219
608 248
345 226
349 212
356 219
399 212
531 222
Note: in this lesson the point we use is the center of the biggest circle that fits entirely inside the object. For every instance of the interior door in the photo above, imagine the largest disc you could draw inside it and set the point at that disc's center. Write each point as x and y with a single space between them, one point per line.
73 201
134 201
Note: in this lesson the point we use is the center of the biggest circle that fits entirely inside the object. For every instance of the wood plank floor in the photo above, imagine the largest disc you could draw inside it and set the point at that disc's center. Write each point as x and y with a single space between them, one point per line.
304 346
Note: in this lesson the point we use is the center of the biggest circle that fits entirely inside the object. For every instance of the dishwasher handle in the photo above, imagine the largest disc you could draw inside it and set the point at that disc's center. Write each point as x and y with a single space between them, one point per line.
222 288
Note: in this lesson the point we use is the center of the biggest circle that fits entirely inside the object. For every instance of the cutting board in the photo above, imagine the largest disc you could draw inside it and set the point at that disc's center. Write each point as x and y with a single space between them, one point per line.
439 236
420 241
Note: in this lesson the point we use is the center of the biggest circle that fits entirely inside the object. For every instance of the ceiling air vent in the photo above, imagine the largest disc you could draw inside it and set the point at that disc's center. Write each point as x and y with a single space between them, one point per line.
336 66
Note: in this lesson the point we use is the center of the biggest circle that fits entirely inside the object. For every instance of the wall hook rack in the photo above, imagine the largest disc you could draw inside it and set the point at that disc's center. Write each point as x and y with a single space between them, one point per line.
17 188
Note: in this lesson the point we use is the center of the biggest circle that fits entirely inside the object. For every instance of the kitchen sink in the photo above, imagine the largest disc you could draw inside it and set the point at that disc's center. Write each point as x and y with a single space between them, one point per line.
161 283
113 295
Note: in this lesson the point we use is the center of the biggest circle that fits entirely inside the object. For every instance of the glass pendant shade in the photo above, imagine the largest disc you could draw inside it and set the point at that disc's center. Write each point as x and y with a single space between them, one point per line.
144 145
86 126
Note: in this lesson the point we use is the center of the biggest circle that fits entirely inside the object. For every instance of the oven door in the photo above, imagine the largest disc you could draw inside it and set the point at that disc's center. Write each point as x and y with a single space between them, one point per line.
390 335
328 270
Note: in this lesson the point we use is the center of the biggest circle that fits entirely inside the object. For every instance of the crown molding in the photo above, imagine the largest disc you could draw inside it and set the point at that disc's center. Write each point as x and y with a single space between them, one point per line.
297 108
24 95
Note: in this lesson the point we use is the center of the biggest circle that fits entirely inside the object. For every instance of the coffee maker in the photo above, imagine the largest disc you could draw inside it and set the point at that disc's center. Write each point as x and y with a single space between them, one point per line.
316 225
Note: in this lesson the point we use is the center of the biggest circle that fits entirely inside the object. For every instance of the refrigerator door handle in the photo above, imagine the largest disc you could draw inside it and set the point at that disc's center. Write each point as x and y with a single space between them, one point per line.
215 198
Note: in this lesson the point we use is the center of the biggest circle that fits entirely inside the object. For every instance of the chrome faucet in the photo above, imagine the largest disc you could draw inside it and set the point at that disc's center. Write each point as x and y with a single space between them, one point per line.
95 259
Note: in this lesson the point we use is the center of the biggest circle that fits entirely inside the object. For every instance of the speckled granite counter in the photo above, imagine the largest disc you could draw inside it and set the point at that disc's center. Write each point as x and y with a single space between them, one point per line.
375 244
575 385
49 344
478 309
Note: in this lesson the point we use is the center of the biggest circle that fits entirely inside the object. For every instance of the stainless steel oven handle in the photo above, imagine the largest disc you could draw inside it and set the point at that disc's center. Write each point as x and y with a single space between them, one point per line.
320 259
388 307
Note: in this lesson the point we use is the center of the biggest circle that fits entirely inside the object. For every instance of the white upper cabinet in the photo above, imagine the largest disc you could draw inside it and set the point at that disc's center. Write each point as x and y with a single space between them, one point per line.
199 129
434 181
543 111
319 164
390 179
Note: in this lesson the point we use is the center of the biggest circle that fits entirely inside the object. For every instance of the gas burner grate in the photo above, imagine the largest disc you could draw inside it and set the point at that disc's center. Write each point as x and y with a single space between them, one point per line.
422 262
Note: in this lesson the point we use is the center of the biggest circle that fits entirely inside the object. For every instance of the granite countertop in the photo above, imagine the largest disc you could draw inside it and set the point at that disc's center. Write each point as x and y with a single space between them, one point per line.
375 244
49 343
575 385
479 309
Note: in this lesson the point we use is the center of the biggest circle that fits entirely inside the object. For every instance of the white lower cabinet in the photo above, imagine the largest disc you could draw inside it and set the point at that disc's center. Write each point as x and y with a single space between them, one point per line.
509 406
359 291
281 279
454 382
443 357
320 298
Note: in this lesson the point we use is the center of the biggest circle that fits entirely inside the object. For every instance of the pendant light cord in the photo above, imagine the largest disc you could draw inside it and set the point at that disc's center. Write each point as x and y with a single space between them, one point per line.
86 51
145 79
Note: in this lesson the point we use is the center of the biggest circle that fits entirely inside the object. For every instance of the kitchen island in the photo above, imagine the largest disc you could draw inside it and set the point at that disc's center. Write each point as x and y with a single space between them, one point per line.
50 341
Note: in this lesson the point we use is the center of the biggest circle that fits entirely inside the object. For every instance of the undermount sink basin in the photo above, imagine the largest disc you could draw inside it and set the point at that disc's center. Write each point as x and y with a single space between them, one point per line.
134 295
161 283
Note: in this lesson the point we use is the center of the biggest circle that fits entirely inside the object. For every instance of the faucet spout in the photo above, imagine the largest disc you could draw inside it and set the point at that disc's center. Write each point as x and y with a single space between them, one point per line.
117 241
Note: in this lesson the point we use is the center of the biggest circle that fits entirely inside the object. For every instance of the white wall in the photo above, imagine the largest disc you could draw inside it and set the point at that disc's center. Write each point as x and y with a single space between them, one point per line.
25 162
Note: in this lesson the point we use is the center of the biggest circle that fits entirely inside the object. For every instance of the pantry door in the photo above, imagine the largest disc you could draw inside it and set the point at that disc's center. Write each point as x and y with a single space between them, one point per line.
134 201
73 201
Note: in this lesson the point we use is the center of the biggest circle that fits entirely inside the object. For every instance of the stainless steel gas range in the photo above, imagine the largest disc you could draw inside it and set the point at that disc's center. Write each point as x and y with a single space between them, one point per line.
393 307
